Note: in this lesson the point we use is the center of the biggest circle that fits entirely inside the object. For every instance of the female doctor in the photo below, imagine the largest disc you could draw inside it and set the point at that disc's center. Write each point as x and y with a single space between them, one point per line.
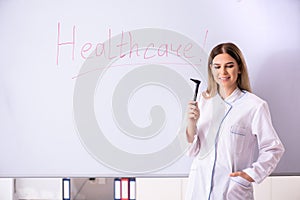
231 134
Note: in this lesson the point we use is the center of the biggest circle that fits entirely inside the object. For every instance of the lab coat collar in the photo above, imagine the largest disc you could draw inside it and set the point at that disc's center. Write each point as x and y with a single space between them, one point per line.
235 95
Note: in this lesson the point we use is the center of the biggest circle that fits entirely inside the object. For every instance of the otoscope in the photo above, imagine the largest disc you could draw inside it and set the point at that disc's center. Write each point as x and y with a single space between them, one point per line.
197 88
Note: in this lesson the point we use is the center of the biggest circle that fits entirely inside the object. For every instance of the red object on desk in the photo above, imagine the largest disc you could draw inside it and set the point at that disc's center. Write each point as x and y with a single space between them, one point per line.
124 188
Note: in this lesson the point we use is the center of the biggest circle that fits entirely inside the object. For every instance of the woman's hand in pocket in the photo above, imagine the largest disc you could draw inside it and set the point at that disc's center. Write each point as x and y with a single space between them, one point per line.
243 175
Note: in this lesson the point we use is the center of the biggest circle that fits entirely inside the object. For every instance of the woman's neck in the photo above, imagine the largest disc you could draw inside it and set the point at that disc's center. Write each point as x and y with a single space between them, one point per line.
226 92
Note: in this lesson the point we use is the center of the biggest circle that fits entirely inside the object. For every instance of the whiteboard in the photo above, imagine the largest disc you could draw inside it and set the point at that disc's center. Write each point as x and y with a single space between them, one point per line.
99 88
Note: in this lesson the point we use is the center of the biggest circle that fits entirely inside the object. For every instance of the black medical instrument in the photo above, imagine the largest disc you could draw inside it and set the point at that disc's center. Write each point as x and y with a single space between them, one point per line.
197 88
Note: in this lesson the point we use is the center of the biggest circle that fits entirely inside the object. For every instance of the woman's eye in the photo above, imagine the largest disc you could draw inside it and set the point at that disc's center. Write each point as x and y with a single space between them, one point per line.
230 66
216 67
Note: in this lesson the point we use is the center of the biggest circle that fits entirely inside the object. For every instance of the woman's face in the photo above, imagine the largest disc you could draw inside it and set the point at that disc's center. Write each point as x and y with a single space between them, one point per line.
225 71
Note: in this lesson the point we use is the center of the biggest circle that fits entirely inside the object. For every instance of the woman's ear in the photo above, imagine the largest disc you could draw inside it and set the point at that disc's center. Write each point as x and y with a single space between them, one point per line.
239 72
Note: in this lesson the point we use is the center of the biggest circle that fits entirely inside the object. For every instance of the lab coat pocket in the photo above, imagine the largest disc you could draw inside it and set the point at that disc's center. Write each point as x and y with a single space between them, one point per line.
238 136
239 189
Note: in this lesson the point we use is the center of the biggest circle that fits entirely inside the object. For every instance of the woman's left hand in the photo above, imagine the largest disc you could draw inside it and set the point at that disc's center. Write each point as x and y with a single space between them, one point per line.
243 175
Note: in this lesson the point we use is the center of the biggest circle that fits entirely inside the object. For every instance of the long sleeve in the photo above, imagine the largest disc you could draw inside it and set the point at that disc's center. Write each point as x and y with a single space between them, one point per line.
194 147
270 147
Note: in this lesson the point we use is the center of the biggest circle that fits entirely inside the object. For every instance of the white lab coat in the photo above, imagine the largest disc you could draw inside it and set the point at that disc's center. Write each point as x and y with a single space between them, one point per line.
235 134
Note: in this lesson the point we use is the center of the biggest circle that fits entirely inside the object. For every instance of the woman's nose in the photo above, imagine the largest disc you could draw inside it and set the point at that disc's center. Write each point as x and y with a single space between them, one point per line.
223 70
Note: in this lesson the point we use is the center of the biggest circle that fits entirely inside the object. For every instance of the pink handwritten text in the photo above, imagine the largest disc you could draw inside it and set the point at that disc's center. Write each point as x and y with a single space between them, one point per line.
124 47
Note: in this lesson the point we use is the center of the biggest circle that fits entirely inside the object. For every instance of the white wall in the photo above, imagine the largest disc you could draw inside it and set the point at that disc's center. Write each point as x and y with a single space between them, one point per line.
273 188
39 188
6 189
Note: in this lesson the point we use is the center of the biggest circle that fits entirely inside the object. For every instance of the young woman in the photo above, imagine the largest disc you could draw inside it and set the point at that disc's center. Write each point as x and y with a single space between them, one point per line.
230 130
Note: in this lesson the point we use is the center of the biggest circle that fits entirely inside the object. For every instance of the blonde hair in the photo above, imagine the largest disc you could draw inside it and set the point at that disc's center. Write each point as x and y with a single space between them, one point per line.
243 82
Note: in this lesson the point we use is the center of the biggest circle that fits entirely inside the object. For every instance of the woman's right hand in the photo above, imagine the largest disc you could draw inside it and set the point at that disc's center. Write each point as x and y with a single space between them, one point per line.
193 111
193 114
